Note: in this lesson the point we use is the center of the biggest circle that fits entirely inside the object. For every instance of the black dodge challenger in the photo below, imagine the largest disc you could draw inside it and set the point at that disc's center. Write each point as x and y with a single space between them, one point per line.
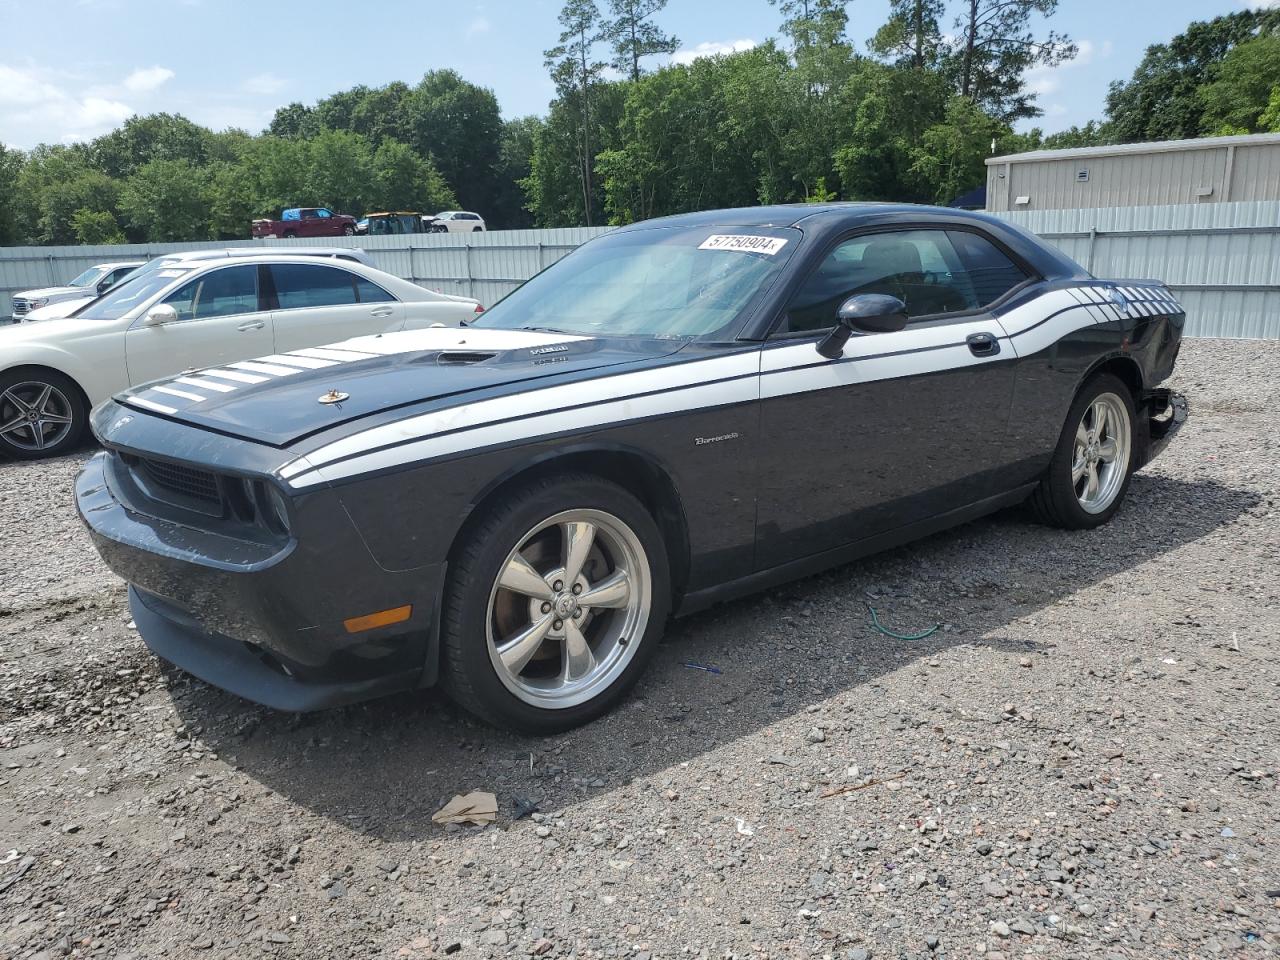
679 412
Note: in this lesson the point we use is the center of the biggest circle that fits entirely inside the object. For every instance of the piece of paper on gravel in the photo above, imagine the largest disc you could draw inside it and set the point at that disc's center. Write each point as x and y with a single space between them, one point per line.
476 807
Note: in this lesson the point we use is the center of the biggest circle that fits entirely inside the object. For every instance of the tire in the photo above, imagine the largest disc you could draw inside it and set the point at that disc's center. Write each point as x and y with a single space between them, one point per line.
42 414
348 231
526 534
478 230
289 234
1063 498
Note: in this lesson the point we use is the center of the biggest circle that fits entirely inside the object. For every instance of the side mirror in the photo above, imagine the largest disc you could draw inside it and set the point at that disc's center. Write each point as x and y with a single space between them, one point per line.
161 313
103 286
864 313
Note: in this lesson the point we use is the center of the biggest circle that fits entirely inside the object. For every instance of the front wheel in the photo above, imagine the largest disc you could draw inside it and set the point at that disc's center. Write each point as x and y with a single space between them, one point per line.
555 605
348 231
1093 462
42 414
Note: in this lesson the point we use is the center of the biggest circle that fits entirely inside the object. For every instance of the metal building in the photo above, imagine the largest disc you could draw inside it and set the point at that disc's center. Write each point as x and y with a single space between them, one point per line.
1210 170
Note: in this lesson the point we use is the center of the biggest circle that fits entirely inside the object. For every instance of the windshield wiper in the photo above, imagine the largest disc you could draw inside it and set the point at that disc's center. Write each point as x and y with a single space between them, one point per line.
542 329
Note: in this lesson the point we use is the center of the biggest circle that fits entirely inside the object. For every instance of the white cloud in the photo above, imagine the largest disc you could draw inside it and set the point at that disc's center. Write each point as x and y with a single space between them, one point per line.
1044 81
35 106
1262 4
264 84
711 48
478 25
146 79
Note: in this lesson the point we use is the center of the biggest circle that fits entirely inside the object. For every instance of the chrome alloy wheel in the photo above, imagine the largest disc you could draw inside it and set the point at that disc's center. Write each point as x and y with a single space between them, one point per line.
34 415
1100 457
569 608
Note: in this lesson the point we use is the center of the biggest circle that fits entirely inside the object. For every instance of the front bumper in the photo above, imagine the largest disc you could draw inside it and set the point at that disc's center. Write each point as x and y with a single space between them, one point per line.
266 622
1166 413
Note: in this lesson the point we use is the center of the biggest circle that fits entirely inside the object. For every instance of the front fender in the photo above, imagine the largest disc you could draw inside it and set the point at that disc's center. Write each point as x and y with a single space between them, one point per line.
98 379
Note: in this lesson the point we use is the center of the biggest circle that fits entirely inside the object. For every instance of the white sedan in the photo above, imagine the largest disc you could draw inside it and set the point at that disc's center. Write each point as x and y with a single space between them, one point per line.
193 315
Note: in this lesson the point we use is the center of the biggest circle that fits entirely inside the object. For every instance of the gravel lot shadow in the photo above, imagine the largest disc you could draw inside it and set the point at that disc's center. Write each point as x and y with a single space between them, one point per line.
383 768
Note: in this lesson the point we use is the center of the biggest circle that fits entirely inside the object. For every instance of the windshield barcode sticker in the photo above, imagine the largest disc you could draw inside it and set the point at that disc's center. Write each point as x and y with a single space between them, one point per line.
743 244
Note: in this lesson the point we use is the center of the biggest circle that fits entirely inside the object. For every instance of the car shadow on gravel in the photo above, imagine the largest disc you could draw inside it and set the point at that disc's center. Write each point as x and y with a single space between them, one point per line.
383 768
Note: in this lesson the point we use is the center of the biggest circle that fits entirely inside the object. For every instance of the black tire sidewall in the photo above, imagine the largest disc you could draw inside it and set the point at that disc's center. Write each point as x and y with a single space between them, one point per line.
479 688
79 413
1059 477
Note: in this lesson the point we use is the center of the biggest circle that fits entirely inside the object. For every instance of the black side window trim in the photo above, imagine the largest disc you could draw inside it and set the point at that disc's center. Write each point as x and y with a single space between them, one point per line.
926 320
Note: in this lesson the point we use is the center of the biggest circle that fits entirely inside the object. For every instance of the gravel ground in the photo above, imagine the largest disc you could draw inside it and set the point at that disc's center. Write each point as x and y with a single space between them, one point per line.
1081 763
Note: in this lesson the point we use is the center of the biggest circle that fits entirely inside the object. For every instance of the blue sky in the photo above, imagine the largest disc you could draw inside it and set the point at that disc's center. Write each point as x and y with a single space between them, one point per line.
74 69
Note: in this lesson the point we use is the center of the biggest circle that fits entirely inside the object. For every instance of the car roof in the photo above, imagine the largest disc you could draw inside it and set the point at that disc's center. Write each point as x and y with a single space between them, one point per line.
826 221
118 263
229 252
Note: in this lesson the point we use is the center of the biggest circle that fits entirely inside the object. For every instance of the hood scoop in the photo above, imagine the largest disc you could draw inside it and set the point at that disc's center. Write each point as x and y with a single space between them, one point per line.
455 358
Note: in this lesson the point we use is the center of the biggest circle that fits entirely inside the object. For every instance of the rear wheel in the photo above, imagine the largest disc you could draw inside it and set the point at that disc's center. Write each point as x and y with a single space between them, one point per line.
42 414
1093 463
478 230
290 234
555 605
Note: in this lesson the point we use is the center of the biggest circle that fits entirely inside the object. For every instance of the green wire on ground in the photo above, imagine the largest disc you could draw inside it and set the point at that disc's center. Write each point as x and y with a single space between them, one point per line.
875 622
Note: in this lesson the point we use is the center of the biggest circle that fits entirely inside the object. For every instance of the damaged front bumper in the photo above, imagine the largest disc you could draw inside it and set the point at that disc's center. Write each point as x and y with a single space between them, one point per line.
1166 412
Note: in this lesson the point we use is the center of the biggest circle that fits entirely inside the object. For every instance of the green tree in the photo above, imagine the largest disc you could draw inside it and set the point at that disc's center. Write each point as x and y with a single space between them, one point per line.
913 33
164 201
158 136
11 162
339 171
1092 134
997 45
576 73
634 36
295 121
96 227
405 181
1162 101
458 126
1243 87
949 159
813 23
519 137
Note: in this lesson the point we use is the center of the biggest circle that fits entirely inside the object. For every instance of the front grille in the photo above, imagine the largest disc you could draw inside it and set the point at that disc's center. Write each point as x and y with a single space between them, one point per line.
188 481
20 306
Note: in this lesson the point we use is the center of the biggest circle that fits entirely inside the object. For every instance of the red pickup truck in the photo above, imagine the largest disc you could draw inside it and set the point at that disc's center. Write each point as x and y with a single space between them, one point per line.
306 222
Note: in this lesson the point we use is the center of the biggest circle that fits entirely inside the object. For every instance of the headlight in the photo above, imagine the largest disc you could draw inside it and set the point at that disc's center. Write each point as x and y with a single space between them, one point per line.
261 502
38 303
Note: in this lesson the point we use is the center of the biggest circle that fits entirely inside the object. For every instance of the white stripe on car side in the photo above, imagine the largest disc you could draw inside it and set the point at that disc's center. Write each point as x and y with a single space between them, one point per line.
600 415
784 370
472 415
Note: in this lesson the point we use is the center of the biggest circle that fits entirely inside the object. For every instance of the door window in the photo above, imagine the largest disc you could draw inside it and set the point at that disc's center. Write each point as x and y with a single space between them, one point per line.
932 271
311 285
323 214
220 293
370 292
990 273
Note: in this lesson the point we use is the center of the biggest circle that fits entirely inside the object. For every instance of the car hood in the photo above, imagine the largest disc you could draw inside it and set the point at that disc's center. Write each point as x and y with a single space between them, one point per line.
51 292
283 398
57 310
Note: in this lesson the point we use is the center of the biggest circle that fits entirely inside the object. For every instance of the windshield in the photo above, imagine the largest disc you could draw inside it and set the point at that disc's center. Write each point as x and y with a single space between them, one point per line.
665 282
88 278
119 300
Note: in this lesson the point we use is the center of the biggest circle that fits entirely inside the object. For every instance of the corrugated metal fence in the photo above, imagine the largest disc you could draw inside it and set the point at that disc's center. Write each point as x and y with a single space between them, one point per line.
486 266
1222 259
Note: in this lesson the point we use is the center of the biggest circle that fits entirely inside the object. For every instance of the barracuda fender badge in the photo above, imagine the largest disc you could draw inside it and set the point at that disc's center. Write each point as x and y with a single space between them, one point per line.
335 396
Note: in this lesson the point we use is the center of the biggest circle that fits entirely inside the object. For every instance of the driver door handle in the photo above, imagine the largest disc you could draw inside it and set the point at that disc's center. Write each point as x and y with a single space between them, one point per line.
252 325
983 344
